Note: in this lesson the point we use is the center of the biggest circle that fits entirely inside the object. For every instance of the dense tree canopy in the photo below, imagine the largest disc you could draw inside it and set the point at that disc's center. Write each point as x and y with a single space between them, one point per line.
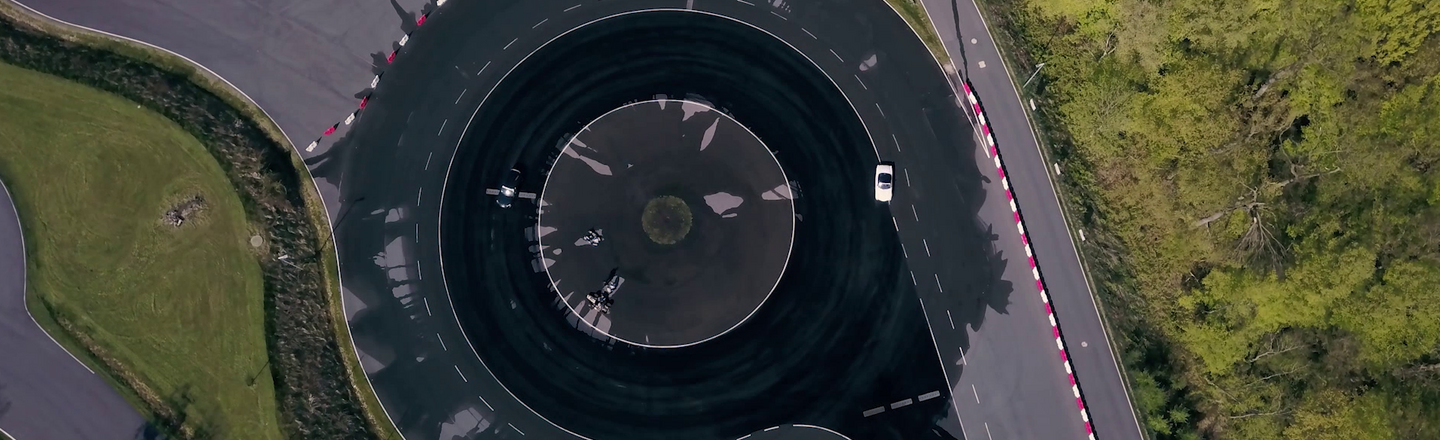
1267 216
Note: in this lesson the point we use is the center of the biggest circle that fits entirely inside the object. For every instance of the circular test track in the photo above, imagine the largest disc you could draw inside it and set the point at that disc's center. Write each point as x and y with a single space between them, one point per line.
837 336
784 364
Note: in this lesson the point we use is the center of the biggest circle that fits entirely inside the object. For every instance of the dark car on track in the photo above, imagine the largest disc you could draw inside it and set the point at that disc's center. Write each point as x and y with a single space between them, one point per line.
507 188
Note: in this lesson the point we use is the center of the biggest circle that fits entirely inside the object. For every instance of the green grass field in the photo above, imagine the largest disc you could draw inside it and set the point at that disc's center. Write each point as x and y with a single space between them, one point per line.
180 308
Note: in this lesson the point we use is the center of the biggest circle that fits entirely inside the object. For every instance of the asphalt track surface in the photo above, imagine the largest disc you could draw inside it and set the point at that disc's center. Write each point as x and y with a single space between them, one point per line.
45 393
995 346
736 235
973 50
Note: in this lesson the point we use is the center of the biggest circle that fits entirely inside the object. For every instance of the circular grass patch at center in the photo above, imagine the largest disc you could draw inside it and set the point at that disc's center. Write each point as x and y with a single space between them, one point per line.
666 219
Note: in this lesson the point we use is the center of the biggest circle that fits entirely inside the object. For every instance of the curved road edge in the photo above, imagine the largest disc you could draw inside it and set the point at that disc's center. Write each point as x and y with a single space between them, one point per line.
43 387
1109 388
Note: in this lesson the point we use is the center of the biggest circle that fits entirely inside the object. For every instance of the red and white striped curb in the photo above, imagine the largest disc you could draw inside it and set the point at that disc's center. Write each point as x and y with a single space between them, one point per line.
374 82
994 153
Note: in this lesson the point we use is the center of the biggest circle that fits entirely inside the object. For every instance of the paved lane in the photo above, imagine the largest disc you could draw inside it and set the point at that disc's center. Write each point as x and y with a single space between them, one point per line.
44 392
972 48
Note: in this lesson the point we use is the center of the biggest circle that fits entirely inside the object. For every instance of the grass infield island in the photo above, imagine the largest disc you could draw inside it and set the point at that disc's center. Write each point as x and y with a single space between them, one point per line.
173 315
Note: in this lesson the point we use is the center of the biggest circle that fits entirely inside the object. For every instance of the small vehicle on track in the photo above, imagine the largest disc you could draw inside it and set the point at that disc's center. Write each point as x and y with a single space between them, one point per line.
507 188
884 181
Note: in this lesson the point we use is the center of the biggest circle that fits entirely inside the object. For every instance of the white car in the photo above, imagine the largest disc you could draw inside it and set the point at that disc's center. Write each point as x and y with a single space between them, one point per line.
884 181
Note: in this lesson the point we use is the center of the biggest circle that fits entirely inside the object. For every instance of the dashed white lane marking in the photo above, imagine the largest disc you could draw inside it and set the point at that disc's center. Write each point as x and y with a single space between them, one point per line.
462 95
927 247
418 273
512 426
777 14
951 318
745 2
962 357
432 154
987 431
427 306
862 83
873 411
772 428
907 174
482 68
487 404
417 232
912 278
462 375
902 403
442 342
914 213
904 252
419 193
837 56
882 112
540 23
896 222
442 127
977 393
807 32
937 283
897 141
507 45
572 8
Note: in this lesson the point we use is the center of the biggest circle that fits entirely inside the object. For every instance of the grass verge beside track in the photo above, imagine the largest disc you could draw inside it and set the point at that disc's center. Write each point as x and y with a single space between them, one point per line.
914 14
174 315
321 388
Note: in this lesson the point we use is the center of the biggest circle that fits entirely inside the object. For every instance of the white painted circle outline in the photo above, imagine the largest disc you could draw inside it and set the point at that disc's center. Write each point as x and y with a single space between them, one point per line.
444 280
539 240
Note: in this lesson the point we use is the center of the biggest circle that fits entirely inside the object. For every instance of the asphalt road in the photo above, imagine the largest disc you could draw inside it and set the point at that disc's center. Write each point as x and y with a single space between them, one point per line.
973 50
997 354
45 393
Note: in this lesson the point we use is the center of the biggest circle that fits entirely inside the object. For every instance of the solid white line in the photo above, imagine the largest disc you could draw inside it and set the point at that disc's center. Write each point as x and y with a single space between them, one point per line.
442 342
837 56
507 45
512 426
977 393
937 283
927 247
427 306
540 23
571 8
807 32
777 14
913 212
432 154
951 318
462 375
442 127
462 95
